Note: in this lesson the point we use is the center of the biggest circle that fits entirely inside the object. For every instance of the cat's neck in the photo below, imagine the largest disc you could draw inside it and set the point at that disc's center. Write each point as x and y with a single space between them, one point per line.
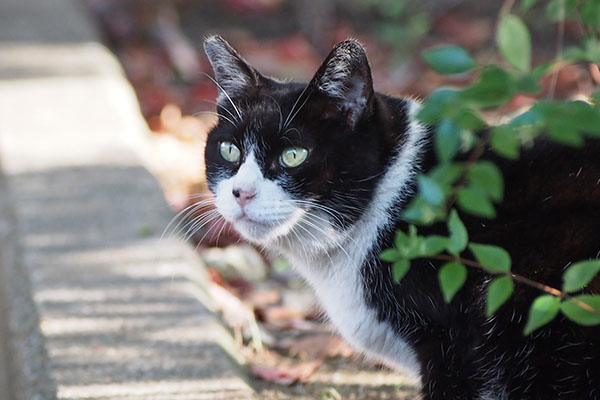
397 183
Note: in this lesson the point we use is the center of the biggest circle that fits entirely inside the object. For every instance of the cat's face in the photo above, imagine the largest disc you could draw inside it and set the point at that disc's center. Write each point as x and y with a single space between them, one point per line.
294 161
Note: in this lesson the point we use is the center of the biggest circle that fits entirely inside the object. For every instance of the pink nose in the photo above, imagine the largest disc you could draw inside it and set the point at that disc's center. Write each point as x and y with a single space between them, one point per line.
243 196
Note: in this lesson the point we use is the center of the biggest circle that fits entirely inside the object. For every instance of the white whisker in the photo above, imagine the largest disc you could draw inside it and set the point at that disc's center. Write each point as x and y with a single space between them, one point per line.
226 94
217 114
335 242
196 224
297 111
299 224
208 231
285 124
279 109
187 211
218 106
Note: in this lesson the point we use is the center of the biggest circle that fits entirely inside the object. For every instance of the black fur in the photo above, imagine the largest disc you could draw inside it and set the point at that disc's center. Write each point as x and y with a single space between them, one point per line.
549 218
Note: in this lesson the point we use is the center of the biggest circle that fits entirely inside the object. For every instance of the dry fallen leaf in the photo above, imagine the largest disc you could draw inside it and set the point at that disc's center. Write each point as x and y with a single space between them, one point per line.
275 314
261 299
320 346
287 374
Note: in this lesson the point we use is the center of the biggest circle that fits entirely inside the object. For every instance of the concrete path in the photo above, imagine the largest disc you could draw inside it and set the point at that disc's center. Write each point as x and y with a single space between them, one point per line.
98 306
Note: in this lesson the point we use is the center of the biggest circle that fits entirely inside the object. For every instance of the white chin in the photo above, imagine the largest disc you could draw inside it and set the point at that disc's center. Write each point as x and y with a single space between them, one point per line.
253 231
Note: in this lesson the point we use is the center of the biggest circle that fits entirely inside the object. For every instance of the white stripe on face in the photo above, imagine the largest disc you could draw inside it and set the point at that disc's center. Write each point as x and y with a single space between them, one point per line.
268 215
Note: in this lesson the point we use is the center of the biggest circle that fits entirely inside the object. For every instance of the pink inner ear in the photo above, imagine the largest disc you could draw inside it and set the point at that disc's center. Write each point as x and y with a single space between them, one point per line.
354 100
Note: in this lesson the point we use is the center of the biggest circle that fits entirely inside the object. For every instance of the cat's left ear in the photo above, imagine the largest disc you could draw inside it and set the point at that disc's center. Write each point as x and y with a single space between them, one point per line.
345 80
234 75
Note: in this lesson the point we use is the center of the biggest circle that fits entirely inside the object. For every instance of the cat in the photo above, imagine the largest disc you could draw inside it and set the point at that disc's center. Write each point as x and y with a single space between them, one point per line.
321 172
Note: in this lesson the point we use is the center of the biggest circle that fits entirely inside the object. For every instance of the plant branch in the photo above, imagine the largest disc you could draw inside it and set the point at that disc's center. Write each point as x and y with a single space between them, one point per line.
473 158
521 279
506 6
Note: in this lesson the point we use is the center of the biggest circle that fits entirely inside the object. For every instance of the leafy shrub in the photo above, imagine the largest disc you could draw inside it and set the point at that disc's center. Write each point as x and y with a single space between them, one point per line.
476 186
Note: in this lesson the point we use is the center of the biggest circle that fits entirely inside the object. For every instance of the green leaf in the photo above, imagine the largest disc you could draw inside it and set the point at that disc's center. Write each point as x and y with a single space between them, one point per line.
446 174
573 54
558 10
452 277
401 240
528 120
421 212
449 59
430 190
527 84
578 275
433 244
389 255
527 4
400 268
498 292
458 234
504 141
495 87
541 70
565 133
486 175
494 259
590 13
440 104
447 140
469 119
578 314
542 311
585 117
474 200
412 232
568 120
514 42
592 49
412 245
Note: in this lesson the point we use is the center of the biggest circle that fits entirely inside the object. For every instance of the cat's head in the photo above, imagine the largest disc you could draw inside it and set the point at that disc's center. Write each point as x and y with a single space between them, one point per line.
296 161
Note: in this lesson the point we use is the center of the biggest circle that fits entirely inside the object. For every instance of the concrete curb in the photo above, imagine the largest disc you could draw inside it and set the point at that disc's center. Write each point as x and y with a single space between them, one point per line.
99 306
25 361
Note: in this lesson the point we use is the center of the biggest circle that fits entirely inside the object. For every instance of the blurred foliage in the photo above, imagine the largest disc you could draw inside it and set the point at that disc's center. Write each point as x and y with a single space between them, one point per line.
398 23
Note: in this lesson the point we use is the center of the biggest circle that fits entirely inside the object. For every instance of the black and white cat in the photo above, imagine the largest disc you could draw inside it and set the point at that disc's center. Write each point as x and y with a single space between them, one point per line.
320 173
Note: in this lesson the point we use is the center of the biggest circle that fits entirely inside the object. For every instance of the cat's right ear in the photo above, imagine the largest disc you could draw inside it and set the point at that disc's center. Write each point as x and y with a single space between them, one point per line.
235 77
344 80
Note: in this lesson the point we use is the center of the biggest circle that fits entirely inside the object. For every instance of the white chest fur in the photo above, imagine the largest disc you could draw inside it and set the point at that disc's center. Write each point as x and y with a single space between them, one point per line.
336 277
339 290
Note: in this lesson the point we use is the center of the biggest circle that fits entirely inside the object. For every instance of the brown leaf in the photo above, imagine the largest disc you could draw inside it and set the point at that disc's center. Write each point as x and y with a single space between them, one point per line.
287 374
263 298
281 314
295 324
319 346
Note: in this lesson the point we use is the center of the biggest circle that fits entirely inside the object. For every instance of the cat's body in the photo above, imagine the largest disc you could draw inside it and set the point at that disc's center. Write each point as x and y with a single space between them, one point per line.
332 213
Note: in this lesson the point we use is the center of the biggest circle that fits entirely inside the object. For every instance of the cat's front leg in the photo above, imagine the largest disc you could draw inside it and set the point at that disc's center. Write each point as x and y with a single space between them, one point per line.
446 374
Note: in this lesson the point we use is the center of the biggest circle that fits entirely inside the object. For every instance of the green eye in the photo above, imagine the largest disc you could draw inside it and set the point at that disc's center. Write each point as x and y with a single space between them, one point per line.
293 156
229 152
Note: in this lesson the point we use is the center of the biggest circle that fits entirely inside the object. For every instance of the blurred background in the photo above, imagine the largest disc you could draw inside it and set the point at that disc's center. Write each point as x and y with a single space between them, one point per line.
160 46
